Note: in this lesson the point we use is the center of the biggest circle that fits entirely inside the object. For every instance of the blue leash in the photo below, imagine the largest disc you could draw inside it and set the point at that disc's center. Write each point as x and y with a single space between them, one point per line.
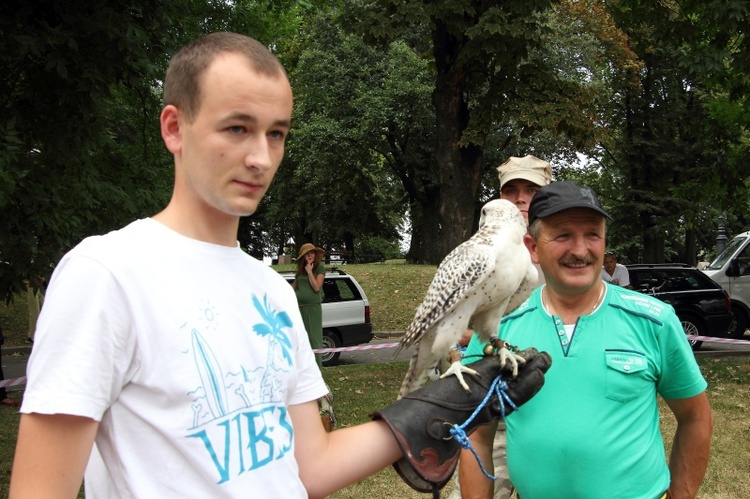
498 387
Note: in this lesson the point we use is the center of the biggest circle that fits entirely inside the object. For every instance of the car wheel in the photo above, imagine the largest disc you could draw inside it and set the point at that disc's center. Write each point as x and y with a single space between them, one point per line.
692 327
330 340
739 324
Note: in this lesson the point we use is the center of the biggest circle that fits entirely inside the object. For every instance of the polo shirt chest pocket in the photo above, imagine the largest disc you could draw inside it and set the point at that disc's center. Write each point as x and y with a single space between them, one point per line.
626 374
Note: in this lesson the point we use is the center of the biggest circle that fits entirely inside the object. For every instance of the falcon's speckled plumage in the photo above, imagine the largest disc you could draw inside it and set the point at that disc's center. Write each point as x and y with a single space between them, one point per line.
480 281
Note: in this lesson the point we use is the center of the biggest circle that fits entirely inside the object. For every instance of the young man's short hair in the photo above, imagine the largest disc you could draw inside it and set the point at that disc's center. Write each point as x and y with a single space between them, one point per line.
182 81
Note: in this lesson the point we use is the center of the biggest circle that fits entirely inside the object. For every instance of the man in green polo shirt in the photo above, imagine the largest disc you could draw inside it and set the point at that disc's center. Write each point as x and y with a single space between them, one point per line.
593 431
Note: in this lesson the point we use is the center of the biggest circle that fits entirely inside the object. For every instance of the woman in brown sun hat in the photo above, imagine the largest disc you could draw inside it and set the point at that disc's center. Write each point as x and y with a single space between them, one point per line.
308 284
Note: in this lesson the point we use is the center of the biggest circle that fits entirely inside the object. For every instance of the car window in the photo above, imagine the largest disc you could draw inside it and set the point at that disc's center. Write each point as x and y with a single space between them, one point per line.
331 291
337 290
725 255
677 281
743 259
645 280
660 281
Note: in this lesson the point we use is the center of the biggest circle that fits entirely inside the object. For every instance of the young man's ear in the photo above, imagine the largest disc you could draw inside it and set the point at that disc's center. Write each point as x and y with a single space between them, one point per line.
170 128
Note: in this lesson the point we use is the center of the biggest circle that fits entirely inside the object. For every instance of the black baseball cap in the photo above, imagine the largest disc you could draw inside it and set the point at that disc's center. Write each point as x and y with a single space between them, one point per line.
559 196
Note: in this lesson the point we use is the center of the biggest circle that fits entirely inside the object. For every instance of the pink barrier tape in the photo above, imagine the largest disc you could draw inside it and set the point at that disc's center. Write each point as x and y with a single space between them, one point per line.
707 339
360 347
13 382
711 339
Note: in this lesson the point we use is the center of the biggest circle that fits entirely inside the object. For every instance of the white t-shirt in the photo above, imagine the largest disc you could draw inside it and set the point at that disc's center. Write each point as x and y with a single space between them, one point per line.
189 354
620 276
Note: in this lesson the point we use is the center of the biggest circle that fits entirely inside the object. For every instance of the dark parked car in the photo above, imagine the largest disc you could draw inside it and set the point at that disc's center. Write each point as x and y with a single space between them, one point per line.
346 313
701 304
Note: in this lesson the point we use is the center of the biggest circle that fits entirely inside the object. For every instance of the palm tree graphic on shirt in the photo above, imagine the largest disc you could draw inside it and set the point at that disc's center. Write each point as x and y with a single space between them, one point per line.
272 326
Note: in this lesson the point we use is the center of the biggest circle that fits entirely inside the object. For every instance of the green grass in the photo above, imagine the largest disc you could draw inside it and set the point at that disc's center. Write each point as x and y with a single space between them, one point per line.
361 389
394 291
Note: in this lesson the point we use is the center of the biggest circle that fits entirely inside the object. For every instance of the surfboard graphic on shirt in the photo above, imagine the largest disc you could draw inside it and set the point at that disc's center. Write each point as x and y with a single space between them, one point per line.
211 376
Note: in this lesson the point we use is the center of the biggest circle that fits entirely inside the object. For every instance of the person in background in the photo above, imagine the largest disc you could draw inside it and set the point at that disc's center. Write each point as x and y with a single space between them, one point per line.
520 179
34 300
308 286
594 431
4 399
184 359
615 273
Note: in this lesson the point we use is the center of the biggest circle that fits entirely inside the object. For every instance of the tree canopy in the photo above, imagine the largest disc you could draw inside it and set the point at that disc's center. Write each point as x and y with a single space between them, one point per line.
402 112
76 159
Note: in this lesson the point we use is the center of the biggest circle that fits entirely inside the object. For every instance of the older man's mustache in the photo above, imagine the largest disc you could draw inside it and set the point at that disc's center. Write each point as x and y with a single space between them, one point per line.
573 261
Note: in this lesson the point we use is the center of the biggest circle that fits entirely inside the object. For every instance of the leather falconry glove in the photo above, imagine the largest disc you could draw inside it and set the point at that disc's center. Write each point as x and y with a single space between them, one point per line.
422 421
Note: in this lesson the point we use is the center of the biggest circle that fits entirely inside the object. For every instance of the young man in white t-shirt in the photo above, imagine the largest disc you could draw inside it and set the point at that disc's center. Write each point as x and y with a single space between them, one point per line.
181 357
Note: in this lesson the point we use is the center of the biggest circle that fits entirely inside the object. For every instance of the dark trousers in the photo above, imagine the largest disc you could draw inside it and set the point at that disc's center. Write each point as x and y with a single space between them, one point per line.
3 391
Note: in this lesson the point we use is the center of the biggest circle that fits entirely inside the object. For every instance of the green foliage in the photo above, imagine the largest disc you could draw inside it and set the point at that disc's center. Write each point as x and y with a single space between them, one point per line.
678 158
337 169
14 320
402 111
66 76
79 116
389 249
505 74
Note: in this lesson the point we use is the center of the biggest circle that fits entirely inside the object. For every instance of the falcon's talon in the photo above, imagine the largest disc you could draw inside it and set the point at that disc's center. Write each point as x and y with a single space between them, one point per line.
457 369
507 356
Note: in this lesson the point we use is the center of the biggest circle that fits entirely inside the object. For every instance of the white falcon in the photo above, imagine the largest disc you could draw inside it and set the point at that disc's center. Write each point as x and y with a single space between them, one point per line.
480 281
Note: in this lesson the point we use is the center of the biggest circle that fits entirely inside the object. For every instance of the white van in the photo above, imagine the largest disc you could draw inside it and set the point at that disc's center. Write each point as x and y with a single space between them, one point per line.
731 269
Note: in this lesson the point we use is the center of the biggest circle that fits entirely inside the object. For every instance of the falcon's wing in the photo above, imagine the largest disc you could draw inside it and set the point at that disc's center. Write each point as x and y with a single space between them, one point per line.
457 276
530 281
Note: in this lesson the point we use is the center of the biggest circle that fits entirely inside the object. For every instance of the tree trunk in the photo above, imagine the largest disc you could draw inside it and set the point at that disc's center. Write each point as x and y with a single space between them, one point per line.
459 169
349 244
691 248
425 223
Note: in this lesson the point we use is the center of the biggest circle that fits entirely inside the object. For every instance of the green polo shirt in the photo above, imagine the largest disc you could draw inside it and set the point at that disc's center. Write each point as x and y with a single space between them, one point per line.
593 429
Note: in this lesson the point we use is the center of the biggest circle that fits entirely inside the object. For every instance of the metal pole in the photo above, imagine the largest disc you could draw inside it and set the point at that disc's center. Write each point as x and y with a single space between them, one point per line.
721 236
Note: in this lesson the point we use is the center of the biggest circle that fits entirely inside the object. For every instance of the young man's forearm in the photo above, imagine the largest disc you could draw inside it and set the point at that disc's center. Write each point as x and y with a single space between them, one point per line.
331 461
